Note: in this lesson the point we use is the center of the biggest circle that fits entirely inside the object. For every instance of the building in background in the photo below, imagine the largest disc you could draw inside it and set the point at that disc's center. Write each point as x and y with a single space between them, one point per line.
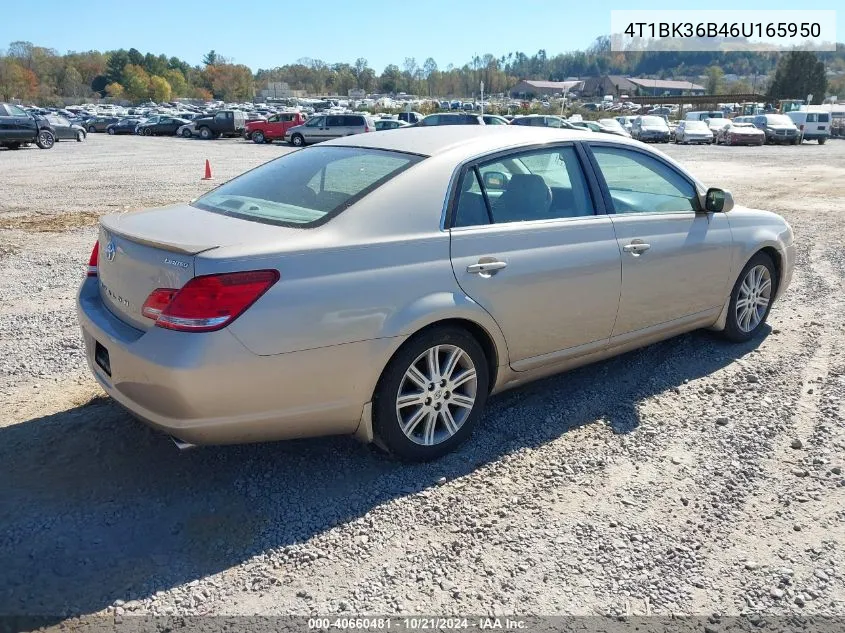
529 88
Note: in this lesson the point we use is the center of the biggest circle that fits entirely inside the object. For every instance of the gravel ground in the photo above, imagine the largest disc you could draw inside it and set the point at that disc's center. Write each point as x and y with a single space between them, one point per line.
690 477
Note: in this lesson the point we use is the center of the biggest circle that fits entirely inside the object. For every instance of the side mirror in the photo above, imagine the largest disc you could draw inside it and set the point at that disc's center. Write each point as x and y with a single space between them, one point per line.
495 180
718 201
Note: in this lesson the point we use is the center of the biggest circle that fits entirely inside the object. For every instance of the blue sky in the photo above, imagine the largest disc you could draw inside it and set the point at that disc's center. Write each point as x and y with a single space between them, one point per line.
268 33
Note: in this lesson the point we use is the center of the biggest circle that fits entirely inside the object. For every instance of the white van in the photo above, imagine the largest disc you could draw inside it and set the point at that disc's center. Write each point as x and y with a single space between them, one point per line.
704 114
813 124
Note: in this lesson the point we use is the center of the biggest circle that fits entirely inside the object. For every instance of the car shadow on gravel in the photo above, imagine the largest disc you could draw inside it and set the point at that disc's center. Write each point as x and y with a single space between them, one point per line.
96 507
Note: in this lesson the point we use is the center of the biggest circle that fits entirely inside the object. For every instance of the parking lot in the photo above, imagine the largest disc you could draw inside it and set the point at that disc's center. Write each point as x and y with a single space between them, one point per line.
692 476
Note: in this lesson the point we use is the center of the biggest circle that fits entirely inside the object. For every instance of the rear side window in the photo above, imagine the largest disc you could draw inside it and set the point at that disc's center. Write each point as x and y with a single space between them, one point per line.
307 187
824 117
538 185
354 121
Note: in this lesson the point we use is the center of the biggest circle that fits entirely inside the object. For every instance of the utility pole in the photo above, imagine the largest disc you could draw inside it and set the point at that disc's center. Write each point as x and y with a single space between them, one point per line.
482 98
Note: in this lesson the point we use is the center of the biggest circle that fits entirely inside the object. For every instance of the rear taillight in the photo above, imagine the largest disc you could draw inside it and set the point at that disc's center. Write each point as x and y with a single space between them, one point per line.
207 303
94 260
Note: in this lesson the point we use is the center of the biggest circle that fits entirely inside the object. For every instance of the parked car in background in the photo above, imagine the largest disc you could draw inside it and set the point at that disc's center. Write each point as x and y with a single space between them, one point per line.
389 124
494 119
100 123
188 130
124 126
693 131
701 115
410 117
162 126
446 118
778 128
19 127
626 122
542 120
613 126
64 129
221 123
813 126
273 128
324 127
650 128
715 126
195 314
739 133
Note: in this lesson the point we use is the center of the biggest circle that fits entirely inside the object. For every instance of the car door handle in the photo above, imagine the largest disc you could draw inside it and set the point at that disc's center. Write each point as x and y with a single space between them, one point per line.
486 267
636 247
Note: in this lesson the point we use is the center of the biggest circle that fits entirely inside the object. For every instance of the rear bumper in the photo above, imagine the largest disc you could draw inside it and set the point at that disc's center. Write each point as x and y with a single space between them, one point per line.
207 388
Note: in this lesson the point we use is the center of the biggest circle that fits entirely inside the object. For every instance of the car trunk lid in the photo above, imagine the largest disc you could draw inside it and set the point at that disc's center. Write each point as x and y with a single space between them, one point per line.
158 248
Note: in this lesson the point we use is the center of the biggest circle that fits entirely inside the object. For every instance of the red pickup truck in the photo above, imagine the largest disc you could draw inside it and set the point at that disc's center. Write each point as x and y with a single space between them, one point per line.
273 128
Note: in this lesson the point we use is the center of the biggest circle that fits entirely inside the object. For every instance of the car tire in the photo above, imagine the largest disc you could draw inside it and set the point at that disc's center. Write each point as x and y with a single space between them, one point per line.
757 282
80 136
433 424
186 134
148 131
45 139
110 131
206 134
257 138
92 129
297 140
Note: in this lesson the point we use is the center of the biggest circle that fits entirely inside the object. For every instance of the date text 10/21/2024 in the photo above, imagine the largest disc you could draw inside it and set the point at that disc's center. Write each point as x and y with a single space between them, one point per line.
483 623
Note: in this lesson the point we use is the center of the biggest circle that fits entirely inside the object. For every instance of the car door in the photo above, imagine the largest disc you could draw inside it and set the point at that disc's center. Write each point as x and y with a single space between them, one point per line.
676 260
23 126
530 244
335 127
314 129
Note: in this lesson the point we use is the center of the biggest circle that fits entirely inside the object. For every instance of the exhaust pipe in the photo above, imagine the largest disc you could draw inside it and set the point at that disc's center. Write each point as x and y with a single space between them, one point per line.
182 446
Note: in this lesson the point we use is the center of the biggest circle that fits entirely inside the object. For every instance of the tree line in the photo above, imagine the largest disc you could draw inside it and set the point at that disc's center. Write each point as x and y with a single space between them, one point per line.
37 74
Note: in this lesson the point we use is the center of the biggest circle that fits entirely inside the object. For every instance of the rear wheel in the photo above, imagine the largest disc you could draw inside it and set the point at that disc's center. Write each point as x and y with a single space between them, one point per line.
92 129
148 131
751 299
206 133
822 139
431 394
45 139
297 140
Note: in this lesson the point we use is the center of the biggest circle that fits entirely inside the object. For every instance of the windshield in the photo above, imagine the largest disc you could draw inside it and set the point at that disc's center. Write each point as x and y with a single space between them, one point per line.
306 187
653 121
692 126
778 119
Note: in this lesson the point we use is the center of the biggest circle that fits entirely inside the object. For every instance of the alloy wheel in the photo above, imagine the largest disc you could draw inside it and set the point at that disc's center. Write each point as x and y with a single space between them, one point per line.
753 298
436 395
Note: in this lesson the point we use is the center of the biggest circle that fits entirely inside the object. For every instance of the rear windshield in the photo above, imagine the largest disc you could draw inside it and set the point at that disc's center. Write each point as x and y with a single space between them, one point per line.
307 187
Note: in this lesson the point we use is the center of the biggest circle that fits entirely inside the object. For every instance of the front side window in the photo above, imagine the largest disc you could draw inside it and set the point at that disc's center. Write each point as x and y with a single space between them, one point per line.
537 185
15 110
317 121
306 187
639 183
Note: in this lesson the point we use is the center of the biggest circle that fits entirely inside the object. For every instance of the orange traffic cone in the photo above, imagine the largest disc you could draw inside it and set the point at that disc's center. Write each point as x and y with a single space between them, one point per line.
207 170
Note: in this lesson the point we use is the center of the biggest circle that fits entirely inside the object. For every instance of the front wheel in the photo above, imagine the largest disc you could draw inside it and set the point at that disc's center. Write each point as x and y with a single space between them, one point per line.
148 131
45 139
751 299
431 394
80 136
822 139
186 133
258 138
297 140
91 129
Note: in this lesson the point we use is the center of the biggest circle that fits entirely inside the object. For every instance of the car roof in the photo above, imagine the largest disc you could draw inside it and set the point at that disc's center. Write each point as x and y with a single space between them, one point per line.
472 139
